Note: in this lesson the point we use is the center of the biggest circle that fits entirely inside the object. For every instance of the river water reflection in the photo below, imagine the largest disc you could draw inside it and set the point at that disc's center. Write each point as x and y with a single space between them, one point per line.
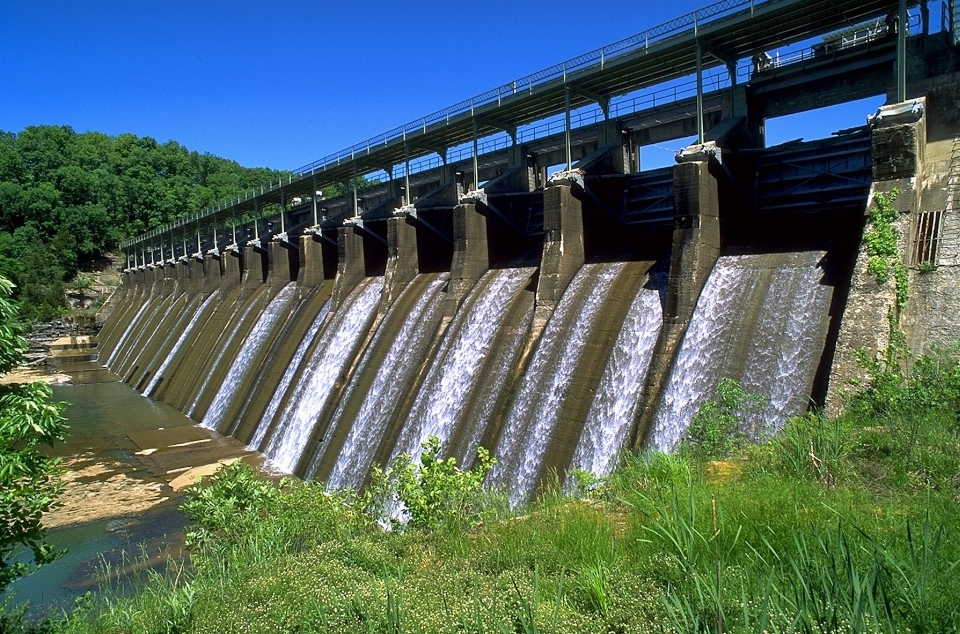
119 505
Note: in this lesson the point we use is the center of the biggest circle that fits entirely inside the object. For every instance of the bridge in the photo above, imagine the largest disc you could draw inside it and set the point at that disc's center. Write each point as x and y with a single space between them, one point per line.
676 79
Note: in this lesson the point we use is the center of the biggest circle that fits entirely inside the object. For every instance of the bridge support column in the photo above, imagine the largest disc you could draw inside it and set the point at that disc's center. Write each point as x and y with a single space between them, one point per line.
471 254
312 268
871 308
282 260
212 273
696 249
232 262
563 253
402 258
351 266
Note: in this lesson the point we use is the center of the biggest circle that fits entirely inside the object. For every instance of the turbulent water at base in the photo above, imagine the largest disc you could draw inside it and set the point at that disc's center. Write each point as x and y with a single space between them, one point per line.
126 333
537 406
287 379
759 323
179 343
392 376
224 347
240 366
309 396
455 372
614 406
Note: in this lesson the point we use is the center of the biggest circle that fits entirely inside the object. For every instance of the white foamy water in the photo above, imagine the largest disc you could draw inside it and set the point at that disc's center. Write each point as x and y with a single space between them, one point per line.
614 406
151 386
240 366
310 395
456 370
773 351
536 409
235 325
261 431
126 333
386 390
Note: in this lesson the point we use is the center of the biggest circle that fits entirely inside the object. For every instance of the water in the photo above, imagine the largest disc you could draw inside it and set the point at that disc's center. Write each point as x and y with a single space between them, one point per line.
761 319
456 371
537 407
287 379
613 410
126 333
393 374
332 352
235 326
158 375
241 365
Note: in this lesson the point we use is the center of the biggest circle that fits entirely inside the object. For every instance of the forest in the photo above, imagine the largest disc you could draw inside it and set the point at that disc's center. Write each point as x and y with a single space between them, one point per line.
68 198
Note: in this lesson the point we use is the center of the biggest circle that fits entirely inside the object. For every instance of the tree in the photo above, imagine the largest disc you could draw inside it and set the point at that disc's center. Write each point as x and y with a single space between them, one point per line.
29 479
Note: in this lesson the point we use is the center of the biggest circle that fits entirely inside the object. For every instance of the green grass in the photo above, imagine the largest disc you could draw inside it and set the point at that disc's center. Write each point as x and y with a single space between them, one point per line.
834 525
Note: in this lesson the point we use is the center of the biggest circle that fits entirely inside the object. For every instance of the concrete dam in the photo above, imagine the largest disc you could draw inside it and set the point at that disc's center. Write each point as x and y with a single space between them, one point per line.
456 288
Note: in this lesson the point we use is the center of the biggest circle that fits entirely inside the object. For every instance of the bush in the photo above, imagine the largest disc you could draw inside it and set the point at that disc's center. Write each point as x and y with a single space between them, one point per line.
718 430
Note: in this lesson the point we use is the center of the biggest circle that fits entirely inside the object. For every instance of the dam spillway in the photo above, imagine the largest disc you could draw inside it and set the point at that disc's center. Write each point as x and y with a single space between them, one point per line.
555 321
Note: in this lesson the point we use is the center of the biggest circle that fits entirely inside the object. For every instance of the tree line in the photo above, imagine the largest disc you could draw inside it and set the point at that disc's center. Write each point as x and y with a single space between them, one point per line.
68 198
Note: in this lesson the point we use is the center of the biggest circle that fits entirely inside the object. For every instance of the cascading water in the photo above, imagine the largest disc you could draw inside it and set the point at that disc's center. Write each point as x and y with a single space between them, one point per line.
241 365
126 333
287 379
537 406
614 406
760 319
158 375
457 369
392 377
309 396
235 330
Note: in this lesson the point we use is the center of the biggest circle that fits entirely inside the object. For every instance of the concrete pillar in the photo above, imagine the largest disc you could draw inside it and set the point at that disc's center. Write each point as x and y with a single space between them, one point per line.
898 156
254 269
212 273
282 261
471 254
232 267
311 261
402 258
563 253
696 249
350 267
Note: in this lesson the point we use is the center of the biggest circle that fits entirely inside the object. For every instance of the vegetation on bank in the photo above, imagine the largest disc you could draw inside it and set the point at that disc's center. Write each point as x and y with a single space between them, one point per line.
846 524
67 198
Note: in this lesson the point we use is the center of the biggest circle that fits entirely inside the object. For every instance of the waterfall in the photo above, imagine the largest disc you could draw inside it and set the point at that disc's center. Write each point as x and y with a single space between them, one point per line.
241 365
235 327
614 406
392 377
126 333
457 369
761 319
158 375
264 425
536 409
332 352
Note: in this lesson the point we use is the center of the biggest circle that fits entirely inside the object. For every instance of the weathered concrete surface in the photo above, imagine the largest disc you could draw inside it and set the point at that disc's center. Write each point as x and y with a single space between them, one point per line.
402 259
471 254
311 261
351 267
696 249
563 253
871 308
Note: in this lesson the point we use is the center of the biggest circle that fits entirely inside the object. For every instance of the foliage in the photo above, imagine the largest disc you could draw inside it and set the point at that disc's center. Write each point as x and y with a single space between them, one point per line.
719 429
67 198
435 493
881 244
29 479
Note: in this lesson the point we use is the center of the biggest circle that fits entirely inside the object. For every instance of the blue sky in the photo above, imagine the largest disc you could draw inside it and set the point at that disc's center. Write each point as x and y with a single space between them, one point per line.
280 84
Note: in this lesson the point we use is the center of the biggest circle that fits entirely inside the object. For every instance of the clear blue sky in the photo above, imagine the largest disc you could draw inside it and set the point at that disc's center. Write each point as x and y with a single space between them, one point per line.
280 84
